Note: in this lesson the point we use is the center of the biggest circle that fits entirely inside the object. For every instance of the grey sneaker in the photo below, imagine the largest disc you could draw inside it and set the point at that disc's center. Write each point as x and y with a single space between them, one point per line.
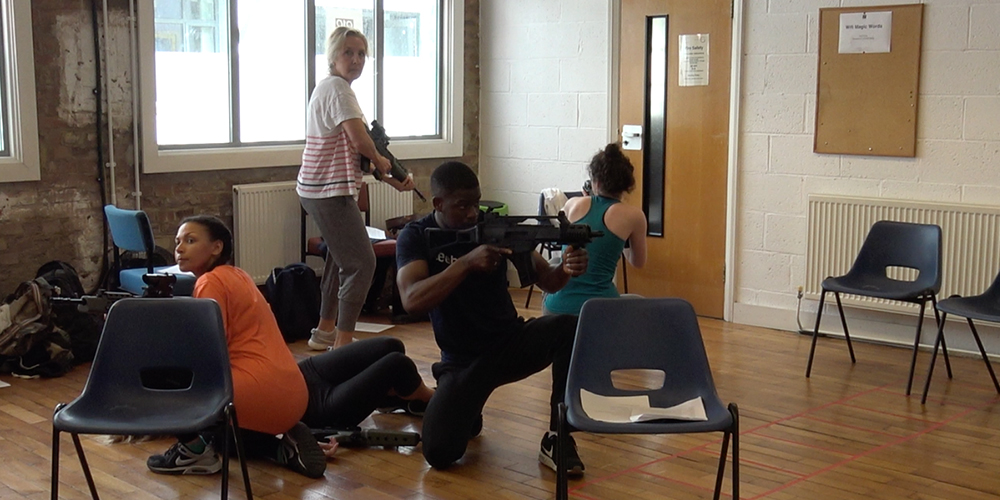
321 340
300 452
179 459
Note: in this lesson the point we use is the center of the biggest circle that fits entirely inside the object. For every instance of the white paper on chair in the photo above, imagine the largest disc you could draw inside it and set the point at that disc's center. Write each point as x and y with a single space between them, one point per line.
4 384
375 233
626 409
371 327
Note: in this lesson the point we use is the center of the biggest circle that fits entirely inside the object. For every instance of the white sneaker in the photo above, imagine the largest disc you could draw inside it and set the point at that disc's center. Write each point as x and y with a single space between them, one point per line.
321 340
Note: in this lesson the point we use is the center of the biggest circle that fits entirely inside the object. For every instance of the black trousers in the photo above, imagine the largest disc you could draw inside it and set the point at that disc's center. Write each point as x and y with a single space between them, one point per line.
348 383
463 389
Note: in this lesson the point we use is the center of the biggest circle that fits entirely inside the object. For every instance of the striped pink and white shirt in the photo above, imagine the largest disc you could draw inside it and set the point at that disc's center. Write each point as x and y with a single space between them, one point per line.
330 164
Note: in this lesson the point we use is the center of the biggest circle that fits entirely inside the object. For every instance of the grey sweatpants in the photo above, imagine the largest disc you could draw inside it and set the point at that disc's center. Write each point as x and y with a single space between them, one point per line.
350 261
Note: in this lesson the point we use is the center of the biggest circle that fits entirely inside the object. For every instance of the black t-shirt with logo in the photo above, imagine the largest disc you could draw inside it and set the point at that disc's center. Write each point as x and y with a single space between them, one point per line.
476 315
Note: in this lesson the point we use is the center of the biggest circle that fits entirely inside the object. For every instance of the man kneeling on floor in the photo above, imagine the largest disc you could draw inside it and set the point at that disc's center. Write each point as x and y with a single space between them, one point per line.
484 344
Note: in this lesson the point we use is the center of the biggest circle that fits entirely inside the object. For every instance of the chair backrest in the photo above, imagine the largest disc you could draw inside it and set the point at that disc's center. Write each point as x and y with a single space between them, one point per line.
541 201
902 244
131 230
635 333
170 348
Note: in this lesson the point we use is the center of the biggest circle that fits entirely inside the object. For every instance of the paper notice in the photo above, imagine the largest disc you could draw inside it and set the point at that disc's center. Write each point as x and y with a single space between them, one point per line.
625 409
865 32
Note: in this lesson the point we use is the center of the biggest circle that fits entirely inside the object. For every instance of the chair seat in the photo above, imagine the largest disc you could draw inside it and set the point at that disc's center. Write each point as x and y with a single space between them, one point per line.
876 286
316 247
144 416
981 307
719 418
131 281
384 248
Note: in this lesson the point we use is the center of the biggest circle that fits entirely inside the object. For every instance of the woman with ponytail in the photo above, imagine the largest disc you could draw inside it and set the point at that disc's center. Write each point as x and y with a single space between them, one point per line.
611 177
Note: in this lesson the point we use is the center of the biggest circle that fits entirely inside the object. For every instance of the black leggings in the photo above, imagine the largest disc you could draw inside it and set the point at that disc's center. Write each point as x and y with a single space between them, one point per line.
348 383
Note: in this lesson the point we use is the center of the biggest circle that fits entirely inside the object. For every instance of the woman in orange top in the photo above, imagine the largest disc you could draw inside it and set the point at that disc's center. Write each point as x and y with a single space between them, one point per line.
269 392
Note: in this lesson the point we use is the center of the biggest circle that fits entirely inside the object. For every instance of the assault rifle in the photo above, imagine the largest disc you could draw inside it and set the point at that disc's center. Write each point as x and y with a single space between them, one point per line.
363 438
159 285
398 172
522 239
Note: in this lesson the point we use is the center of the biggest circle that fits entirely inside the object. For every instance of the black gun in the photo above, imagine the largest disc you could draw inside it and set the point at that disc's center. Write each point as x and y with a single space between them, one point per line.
363 438
398 172
159 285
522 239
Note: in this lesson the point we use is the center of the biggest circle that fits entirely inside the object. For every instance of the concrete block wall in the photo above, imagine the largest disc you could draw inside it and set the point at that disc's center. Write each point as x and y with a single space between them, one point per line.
60 216
544 96
958 142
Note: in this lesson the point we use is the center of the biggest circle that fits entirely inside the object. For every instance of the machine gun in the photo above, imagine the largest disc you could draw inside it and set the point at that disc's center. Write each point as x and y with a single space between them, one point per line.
363 438
398 172
159 285
522 239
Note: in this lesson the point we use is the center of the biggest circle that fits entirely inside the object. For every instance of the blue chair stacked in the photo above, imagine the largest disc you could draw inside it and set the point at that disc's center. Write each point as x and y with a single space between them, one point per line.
131 231
644 334
162 367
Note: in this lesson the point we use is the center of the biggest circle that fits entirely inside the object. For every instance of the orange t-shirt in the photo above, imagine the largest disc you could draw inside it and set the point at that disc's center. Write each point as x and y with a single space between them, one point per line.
269 392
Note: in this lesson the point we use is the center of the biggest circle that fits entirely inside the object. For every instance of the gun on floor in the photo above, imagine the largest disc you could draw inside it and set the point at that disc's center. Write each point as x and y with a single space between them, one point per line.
365 438
510 231
398 172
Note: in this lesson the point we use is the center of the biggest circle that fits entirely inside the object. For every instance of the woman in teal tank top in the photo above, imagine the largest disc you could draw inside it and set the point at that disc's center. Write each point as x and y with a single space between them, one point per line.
611 176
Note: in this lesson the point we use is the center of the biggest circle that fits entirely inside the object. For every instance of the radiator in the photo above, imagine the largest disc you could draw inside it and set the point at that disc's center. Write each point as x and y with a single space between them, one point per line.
837 227
384 203
267 222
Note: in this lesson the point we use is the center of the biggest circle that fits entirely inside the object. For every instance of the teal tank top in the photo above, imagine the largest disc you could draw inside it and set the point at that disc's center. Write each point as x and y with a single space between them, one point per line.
603 254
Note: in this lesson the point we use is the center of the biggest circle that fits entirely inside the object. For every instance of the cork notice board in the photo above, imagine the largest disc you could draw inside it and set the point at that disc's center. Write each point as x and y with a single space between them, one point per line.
866 103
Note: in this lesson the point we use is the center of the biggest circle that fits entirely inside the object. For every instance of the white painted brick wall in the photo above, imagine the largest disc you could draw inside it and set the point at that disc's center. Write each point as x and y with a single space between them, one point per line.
547 113
958 145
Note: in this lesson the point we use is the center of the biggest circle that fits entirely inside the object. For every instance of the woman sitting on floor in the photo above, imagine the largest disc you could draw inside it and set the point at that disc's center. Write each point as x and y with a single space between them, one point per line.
269 392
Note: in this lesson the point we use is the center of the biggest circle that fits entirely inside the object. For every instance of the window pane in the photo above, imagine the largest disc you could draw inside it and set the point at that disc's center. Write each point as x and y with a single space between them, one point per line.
192 79
358 14
411 88
272 71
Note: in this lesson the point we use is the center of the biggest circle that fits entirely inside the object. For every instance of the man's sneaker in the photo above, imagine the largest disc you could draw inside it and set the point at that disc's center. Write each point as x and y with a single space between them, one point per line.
547 455
179 459
300 452
321 340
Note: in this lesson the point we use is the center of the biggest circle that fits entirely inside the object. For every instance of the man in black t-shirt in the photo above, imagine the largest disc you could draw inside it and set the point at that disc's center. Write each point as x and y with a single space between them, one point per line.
484 344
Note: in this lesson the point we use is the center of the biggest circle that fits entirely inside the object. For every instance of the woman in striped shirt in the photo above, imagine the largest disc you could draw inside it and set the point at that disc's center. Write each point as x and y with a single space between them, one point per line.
328 184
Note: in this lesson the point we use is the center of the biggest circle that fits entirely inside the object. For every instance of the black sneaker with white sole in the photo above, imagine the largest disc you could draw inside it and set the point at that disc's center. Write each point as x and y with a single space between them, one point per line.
547 455
179 459
300 452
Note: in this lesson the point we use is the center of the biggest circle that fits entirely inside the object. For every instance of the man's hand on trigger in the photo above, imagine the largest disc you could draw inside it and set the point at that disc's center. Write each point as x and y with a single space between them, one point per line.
486 258
575 261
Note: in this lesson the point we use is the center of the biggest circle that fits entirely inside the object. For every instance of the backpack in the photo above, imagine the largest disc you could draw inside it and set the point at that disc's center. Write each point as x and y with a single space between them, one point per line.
30 344
294 294
83 329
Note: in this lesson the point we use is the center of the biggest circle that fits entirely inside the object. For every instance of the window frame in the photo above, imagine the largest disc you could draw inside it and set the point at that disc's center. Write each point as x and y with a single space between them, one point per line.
22 163
200 158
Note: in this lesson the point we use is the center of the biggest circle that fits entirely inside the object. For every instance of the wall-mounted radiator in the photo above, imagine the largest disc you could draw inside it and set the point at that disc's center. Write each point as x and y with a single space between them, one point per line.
267 222
838 226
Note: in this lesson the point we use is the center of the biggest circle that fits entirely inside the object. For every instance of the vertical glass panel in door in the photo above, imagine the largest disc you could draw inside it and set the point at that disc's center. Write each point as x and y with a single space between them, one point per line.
654 148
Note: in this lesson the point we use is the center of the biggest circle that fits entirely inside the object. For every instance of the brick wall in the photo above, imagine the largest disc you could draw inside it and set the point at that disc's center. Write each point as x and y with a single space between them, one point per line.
60 216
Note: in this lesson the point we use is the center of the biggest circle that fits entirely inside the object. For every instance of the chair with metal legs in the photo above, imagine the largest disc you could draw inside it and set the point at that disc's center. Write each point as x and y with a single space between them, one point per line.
890 245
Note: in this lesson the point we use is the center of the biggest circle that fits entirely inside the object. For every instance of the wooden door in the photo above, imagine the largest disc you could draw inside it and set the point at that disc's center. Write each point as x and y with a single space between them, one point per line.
688 259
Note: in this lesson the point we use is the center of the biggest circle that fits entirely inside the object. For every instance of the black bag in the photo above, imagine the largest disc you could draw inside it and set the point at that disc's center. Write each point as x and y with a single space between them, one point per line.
83 329
294 294
30 344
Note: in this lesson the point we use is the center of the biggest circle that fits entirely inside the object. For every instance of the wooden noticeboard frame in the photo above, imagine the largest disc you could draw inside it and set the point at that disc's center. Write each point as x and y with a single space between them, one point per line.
866 104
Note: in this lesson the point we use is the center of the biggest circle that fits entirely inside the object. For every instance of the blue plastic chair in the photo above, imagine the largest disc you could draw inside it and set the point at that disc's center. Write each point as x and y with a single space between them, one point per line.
644 334
890 244
161 367
130 230
984 307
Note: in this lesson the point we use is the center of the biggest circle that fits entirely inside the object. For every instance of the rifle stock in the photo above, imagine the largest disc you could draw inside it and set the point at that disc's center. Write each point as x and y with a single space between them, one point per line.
522 239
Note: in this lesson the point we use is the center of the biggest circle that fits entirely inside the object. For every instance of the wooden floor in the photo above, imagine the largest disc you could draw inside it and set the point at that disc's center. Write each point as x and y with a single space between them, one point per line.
849 432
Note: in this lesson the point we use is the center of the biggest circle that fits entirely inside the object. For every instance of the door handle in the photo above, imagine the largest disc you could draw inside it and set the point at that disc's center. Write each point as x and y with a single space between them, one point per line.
632 137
